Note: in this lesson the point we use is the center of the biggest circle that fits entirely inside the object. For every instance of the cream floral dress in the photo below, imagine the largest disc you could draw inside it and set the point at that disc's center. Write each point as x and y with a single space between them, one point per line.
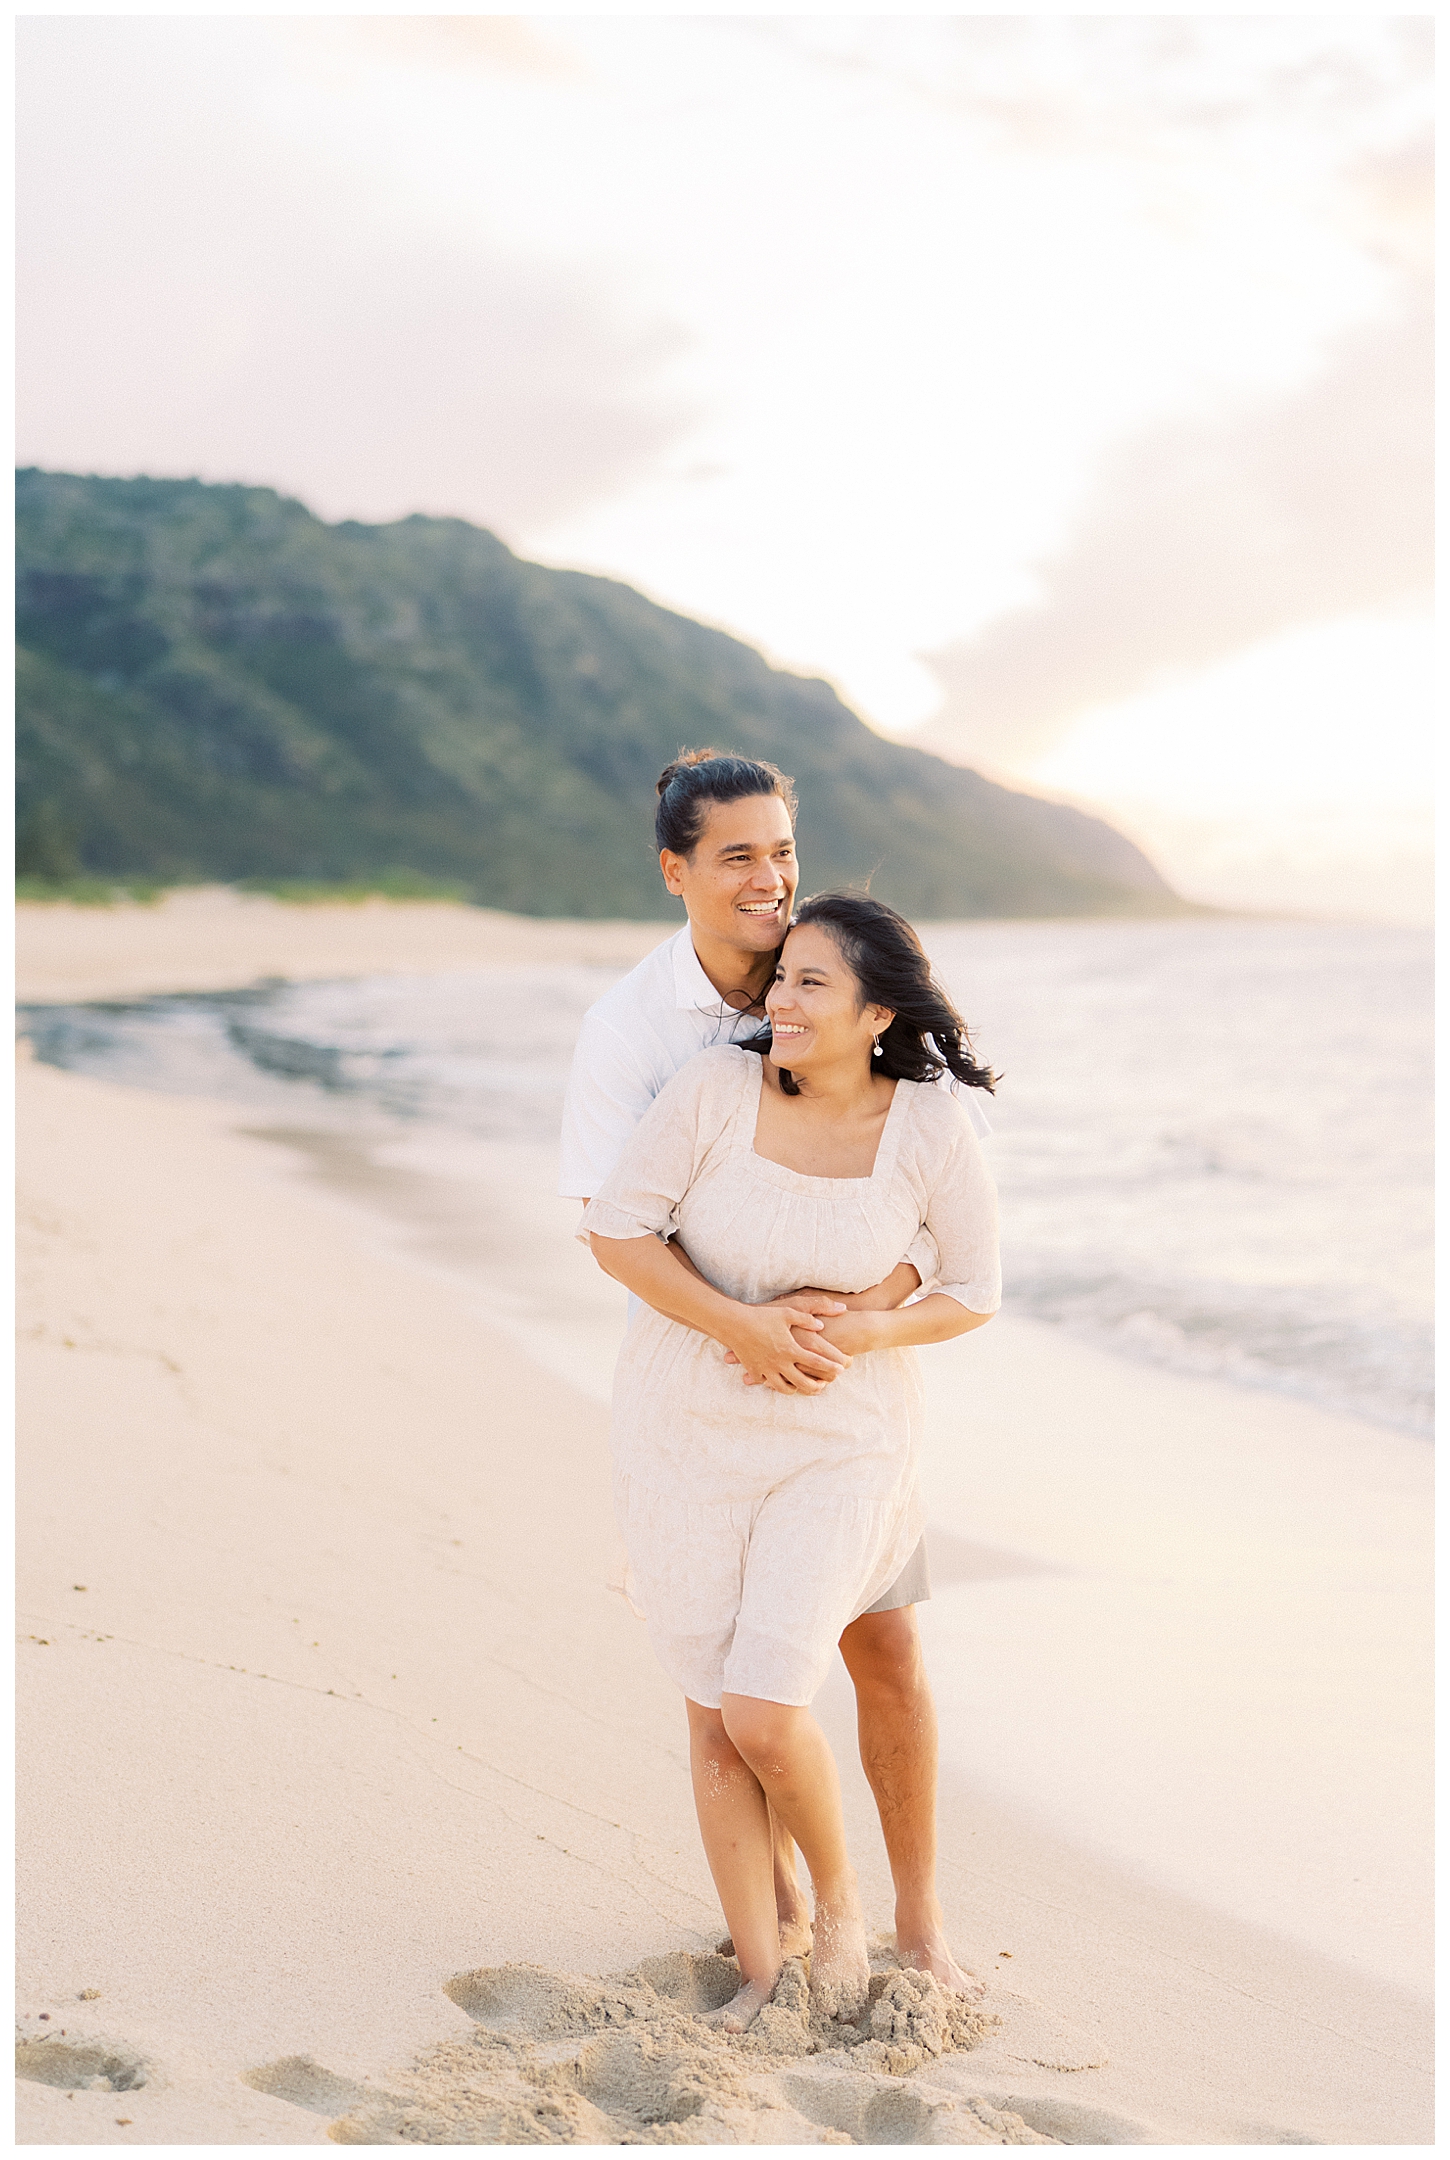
758 1525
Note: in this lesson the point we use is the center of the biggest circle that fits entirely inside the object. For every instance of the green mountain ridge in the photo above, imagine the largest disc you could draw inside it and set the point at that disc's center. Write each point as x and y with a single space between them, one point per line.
214 684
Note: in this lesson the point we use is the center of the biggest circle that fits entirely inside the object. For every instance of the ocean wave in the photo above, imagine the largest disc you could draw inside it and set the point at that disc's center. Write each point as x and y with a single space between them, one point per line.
1212 1143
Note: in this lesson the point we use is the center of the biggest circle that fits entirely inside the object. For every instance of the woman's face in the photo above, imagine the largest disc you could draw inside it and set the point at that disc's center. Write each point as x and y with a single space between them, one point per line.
814 1008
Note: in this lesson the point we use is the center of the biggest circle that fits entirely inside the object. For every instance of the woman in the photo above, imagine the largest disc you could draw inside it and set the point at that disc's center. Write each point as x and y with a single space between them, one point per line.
761 1520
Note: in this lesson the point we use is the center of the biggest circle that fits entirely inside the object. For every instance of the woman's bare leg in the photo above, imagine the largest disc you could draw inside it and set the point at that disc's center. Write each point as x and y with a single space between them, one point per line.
736 1830
793 1763
896 1724
791 1908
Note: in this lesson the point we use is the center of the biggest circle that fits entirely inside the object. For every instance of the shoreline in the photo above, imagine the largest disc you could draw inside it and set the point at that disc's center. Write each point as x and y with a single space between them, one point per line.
202 938
342 1712
217 940
213 937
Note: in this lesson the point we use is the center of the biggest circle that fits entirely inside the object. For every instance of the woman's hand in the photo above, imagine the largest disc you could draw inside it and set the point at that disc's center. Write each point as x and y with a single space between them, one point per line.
851 1333
761 1337
903 1282
854 1332
937 1318
785 1347
820 1304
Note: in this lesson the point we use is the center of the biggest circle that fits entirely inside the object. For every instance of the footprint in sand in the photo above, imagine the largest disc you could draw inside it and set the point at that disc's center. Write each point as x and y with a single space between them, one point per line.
306 2084
561 2060
82 2065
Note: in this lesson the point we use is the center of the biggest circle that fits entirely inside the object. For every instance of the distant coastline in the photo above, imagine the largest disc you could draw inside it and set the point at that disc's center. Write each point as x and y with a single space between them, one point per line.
215 685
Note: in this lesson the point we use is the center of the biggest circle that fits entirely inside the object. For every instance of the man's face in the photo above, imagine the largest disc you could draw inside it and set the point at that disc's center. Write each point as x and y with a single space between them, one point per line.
739 880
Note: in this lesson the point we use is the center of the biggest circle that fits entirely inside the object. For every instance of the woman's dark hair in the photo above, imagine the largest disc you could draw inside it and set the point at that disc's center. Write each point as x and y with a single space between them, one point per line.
697 778
928 1035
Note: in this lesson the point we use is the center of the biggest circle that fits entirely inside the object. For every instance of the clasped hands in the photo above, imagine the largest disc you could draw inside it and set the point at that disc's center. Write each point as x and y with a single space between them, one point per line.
800 1342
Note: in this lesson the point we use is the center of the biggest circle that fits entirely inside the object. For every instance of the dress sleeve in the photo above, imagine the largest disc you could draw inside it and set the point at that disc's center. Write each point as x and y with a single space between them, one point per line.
639 1196
922 1254
961 1215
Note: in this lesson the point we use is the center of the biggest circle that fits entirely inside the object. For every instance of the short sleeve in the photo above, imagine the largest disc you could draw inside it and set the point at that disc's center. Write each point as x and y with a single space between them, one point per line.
662 1155
961 1214
610 1089
922 1254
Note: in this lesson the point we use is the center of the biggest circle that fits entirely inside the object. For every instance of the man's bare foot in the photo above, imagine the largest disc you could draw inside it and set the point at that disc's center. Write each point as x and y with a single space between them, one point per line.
840 1967
740 2013
795 1939
921 1944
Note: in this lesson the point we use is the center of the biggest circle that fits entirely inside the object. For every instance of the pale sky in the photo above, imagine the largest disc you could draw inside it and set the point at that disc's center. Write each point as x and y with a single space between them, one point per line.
1056 386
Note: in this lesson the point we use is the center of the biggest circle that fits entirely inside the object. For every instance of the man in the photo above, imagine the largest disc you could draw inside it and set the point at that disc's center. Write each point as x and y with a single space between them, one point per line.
727 832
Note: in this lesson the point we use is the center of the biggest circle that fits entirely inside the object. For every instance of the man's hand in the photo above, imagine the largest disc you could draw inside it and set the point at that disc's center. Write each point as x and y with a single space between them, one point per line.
827 1300
783 1347
903 1282
780 1342
820 1304
823 1306
855 1333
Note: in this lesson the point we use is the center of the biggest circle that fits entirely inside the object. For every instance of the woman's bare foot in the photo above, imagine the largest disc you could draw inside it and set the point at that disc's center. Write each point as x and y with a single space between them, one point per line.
795 1938
840 1968
921 1944
740 2013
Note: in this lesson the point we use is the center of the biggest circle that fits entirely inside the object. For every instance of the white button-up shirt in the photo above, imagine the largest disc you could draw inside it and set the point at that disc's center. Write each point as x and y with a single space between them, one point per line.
633 1040
636 1038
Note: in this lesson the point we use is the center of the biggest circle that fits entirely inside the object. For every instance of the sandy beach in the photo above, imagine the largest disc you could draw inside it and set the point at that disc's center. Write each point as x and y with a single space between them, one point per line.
352 1803
211 937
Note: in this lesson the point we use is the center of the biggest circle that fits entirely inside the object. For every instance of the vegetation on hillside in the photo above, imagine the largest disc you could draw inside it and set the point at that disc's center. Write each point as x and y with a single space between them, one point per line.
212 683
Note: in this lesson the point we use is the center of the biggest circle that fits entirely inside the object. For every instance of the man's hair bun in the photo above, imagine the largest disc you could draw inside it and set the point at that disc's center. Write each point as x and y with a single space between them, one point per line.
696 778
682 763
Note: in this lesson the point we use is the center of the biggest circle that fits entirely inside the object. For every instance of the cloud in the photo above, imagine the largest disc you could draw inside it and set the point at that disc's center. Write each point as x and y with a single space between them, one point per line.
455 383
1203 537
490 44
207 288
1124 86
1389 205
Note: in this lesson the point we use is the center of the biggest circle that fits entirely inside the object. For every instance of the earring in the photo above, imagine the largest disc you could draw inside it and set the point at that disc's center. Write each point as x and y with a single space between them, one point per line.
876 1046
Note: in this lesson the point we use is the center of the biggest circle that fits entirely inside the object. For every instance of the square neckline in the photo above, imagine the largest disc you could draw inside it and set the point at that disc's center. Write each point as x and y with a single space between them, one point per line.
885 1156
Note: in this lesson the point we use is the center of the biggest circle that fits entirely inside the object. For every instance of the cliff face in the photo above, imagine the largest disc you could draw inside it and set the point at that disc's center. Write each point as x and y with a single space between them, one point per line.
213 683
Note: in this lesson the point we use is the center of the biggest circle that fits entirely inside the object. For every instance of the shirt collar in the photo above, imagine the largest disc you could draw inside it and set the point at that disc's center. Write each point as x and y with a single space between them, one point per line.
694 991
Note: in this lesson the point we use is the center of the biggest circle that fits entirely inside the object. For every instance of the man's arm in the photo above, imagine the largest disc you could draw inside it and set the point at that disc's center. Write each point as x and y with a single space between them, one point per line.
903 1282
821 1304
761 1337
894 1290
884 1296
